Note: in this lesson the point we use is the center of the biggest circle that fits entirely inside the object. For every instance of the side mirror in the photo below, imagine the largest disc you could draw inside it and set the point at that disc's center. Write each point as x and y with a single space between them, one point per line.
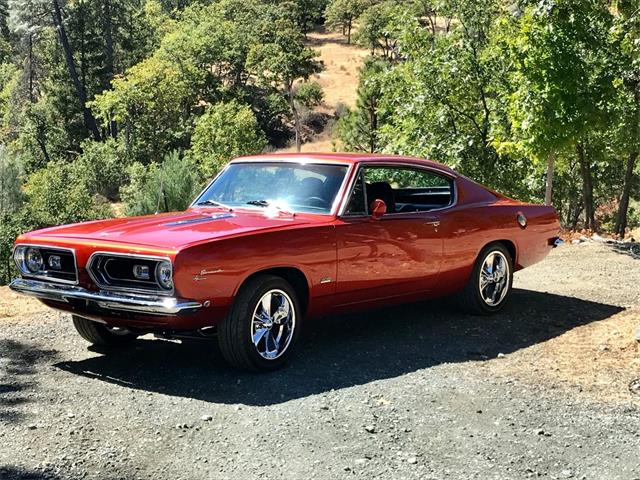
378 209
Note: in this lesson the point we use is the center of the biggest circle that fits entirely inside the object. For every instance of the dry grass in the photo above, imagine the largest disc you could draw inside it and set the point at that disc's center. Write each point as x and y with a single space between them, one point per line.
600 359
14 307
339 80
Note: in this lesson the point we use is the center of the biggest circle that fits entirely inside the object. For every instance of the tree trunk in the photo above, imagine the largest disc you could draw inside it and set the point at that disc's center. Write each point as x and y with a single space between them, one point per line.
296 117
349 24
587 188
548 194
89 121
621 220
31 70
108 57
576 215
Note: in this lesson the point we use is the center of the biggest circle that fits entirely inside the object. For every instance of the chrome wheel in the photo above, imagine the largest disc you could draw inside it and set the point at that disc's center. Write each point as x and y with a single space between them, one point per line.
494 278
273 323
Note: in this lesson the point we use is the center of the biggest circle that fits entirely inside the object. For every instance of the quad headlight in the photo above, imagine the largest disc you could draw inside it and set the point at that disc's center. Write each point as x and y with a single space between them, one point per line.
164 275
29 259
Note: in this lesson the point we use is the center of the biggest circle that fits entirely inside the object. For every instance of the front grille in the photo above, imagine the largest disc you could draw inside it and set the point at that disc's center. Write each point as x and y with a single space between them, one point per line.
112 271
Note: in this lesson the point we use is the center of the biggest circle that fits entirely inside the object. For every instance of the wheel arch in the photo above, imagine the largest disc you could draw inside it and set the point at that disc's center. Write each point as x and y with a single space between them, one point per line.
509 245
293 275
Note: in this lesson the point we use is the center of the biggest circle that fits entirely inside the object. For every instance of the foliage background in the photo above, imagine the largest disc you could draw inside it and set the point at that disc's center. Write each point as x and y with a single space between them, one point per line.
140 102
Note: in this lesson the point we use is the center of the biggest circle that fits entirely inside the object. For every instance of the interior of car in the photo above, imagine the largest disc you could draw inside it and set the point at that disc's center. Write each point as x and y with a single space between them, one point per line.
403 190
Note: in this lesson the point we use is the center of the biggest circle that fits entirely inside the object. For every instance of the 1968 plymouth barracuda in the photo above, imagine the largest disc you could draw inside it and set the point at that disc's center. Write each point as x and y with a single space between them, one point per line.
278 239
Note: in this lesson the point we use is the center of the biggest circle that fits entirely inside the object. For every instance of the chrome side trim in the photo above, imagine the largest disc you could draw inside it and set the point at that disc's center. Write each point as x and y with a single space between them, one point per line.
107 300
112 288
44 277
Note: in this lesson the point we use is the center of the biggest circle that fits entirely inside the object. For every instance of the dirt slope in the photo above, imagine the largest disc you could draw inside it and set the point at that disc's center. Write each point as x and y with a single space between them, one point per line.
339 80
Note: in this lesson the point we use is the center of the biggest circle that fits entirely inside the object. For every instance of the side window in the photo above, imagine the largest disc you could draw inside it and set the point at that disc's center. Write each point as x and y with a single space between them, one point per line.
403 178
406 189
357 200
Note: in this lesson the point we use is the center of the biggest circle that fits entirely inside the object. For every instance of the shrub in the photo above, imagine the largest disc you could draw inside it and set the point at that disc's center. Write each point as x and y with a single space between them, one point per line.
309 94
169 186
225 131
10 192
107 165
62 193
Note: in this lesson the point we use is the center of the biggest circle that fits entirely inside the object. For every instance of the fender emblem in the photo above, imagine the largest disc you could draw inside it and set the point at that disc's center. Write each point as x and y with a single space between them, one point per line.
203 274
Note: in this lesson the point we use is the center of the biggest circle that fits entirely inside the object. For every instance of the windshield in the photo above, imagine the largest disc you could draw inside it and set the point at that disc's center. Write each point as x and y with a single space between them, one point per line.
292 187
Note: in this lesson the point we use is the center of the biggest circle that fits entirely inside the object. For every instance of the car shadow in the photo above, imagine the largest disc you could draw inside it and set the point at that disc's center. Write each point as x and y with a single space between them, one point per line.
343 351
18 367
631 249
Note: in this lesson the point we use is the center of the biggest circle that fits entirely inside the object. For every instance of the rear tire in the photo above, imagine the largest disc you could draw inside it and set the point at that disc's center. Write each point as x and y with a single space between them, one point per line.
99 334
261 329
489 286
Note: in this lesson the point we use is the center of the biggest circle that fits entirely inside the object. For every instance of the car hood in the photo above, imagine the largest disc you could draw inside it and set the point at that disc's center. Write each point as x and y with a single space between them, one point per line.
174 230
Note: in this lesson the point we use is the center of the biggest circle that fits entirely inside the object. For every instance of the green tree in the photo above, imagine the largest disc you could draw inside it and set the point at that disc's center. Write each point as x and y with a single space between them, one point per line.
627 38
225 131
10 185
380 25
561 67
62 193
358 130
343 13
280 61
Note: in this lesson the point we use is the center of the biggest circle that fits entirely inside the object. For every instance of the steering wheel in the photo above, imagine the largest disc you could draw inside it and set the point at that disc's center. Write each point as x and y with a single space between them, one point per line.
317 202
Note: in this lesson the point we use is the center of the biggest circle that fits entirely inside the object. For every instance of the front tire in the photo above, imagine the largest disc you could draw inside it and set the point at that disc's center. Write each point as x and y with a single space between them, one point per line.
489 287
262 327
99 334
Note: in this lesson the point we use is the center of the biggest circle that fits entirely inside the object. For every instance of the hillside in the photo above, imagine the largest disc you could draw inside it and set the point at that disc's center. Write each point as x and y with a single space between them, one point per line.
339 81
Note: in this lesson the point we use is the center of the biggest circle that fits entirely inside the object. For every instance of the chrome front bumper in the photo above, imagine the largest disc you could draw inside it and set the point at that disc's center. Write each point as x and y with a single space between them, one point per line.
105 300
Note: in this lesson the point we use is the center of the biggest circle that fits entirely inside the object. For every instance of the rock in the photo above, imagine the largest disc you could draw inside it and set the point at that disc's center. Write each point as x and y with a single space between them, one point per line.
575 242
412 460
584 238
597 238
71 415
32 426
539 431
638 334
361 461
501 355
370 428
206 418
566 473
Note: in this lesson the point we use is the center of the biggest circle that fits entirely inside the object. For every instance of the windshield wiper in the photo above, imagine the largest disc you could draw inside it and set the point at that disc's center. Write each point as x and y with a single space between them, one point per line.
267 203
213 203
259 203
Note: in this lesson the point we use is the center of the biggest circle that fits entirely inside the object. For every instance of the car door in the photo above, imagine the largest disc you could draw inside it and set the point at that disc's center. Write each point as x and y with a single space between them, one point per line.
398 254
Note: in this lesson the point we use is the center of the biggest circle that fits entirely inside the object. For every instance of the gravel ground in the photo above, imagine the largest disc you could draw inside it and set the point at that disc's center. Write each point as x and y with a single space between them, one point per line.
404 393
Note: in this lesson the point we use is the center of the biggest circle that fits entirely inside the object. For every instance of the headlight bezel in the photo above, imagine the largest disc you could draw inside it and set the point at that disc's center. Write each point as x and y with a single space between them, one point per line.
67 275
99 270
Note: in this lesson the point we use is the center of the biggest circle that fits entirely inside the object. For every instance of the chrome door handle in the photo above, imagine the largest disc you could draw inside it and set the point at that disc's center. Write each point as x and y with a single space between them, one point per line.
435 223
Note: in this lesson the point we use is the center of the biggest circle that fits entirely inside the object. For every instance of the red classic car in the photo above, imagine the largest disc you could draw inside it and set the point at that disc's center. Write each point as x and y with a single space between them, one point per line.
275 240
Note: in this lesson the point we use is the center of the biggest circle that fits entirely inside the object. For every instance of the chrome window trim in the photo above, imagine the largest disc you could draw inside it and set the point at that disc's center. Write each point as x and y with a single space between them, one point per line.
44 277
339 195
437 171
161 291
